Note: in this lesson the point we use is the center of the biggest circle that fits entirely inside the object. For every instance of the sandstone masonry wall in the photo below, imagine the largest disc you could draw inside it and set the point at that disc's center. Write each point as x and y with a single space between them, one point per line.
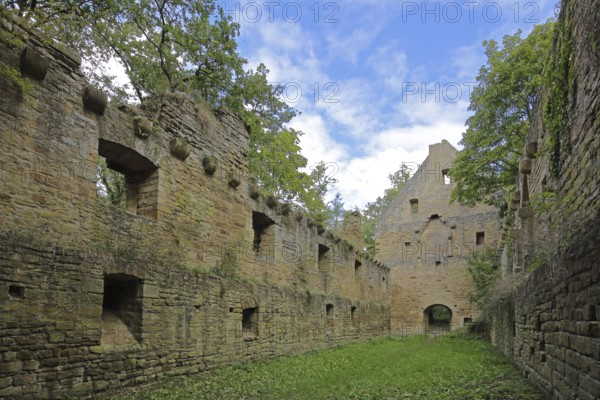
424 239
550 325
200 270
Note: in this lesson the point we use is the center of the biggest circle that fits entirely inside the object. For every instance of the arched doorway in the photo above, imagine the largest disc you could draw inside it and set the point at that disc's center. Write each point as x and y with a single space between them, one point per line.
437 318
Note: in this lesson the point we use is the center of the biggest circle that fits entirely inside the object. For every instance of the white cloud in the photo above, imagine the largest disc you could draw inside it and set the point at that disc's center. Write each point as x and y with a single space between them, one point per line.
390 64
467 60
363 179
356 109
317 145
348 46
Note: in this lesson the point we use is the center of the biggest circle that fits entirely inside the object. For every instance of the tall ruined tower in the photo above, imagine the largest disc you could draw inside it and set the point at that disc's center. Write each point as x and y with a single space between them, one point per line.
424 240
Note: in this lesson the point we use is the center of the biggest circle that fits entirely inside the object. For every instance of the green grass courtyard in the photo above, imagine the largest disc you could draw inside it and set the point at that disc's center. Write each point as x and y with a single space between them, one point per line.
450 367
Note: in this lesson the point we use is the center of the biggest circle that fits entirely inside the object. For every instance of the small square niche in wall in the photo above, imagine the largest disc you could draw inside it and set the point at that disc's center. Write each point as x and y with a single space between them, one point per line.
16 292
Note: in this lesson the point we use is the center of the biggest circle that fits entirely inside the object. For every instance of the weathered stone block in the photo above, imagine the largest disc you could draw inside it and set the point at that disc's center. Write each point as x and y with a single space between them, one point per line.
11 392
581 344
30 365
589 312
5 382
11 367
24 379
56 337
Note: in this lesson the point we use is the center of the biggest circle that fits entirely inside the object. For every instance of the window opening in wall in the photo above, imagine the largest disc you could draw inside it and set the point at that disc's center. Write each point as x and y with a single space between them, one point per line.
127 179
467 321
414 206
264 235
16 292
384 284
352 312
250 323
357 268
437 262
323 257
446 177
110 185
480 238
122 310
329 310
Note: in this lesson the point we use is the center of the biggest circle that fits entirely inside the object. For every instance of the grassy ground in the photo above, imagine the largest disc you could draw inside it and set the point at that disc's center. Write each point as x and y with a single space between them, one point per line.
393 368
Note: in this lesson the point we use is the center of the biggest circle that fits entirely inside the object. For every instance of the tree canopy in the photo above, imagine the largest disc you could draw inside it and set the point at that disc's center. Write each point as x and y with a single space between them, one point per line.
502 102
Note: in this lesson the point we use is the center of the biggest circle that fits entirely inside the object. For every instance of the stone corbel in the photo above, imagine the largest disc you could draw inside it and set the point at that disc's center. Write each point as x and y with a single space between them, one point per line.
531 149
180 148
142 127
34 64
209 164
525 166
95 99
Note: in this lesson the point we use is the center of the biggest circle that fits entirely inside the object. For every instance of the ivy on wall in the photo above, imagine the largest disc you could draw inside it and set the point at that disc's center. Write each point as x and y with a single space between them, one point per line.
560 89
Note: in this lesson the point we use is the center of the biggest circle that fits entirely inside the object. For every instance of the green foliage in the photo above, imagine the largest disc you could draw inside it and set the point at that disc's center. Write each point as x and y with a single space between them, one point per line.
393 368
544 202
12 39
484 267
110 186
559 216
502 102
441 313
480 327
164 46
312 198
559 96
373 210
337 212
275 163
14 75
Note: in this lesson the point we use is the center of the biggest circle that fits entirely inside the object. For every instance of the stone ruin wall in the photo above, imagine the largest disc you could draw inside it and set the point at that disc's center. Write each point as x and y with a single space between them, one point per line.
424 239
550 325
201 270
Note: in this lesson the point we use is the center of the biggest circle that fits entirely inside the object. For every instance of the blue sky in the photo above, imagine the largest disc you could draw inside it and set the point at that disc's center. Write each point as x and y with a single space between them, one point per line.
376 81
